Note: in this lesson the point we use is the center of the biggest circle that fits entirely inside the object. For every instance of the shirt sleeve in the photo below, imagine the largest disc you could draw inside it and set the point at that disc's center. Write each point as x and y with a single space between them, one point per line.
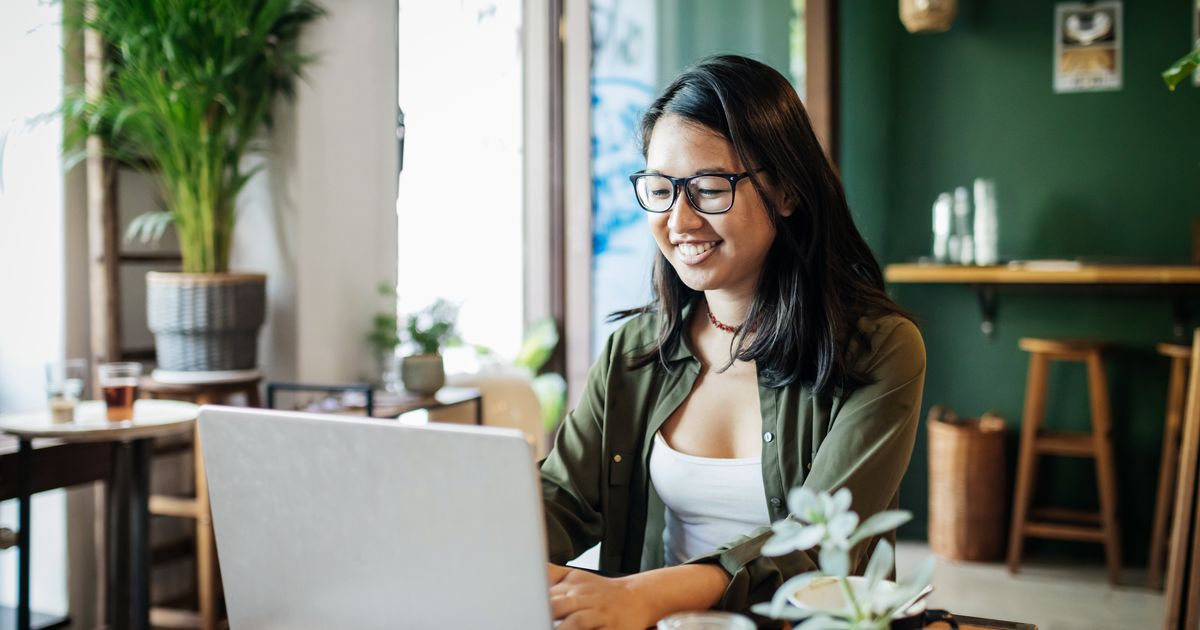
867 450
570 474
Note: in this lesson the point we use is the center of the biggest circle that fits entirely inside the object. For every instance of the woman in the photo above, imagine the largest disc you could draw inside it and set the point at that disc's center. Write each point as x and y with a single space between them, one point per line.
769 358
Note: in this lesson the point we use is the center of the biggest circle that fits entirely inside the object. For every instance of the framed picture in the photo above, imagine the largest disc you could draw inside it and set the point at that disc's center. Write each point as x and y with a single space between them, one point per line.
1087 46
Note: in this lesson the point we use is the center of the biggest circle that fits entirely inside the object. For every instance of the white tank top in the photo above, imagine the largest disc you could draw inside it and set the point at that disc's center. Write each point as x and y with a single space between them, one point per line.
709 501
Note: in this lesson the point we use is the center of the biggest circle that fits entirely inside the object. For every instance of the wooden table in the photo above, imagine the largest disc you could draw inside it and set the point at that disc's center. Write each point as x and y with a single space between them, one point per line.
979 623
129 479
389 405
445 397
1172 281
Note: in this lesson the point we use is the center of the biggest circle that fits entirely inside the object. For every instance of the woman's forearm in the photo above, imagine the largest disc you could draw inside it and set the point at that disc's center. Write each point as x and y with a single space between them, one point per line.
680 588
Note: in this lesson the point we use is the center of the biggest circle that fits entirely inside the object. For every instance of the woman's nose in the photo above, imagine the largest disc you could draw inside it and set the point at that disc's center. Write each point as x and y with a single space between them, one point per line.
684 217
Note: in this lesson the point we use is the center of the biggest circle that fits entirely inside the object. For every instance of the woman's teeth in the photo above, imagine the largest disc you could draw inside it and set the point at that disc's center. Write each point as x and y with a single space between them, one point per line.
695 249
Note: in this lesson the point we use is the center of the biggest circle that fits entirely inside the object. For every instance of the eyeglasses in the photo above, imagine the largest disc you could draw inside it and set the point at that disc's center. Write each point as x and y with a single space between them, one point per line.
710 193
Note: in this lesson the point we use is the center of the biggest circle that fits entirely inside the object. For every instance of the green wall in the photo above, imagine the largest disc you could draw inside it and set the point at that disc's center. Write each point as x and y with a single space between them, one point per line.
691 29
1110 175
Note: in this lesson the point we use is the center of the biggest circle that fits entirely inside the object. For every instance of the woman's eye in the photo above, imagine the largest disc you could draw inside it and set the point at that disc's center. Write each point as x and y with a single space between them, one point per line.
660 193
711 192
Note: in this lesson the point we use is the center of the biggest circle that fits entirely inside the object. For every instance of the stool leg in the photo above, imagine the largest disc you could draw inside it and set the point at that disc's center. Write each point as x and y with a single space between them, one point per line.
206 550
1031 421
1168 465
252 399
1105 472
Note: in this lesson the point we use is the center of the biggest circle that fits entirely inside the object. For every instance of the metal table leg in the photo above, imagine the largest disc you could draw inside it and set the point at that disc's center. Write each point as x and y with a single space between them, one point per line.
24 492
140 533
128 522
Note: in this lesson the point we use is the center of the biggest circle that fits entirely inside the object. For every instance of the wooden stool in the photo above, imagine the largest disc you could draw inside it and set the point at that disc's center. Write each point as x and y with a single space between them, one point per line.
197 508
1180 356
1061 523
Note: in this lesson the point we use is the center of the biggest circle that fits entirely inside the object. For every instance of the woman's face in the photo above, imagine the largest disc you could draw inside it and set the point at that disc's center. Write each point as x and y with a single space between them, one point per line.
710 252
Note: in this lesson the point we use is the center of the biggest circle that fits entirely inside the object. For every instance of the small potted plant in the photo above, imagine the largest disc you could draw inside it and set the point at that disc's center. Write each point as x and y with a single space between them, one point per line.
384 338
429 331
829 598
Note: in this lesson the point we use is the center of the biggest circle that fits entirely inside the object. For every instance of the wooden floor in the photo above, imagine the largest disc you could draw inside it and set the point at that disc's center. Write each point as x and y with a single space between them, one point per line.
1053 595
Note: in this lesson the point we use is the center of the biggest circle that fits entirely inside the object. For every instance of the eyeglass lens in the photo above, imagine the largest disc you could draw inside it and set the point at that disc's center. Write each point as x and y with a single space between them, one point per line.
706 193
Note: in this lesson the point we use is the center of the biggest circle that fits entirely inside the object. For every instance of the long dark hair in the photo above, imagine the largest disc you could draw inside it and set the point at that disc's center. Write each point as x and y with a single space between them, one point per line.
819 277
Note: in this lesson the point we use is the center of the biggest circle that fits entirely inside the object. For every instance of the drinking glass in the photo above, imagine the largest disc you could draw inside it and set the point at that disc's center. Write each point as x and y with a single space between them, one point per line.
65 382
119 382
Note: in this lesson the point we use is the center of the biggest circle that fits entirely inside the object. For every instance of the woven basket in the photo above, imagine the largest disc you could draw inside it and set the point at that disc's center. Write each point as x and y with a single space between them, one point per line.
927 16
968 494
205 322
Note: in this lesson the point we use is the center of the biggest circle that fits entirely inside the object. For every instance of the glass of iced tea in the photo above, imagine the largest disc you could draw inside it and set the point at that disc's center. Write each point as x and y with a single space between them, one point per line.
119 382
65 382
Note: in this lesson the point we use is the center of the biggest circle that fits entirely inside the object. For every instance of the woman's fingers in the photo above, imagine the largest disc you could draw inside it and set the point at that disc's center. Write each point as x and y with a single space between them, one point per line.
556 573
582 620
564 602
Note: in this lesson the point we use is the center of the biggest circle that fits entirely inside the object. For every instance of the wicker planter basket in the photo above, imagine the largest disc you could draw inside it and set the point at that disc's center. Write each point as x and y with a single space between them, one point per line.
206 322
928 16
968 494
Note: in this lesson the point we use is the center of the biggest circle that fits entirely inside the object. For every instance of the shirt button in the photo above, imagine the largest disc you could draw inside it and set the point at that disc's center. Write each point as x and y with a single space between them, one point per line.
617 458
808 466
776 502
768 436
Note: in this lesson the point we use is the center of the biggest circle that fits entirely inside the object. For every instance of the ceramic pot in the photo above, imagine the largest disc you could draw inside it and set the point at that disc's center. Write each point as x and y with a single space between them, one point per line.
423 374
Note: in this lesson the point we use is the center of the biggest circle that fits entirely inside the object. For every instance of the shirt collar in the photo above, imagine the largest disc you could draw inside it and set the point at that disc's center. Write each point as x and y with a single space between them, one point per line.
683 349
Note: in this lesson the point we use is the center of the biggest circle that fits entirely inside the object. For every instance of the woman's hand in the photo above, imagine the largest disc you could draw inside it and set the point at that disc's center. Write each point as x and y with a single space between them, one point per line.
586 601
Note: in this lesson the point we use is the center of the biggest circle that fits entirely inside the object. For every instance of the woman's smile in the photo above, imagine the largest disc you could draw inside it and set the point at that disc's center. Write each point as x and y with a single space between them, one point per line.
695 252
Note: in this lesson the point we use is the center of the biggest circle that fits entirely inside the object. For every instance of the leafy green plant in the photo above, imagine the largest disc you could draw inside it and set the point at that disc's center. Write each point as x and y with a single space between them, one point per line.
1181 69
385 325
826 521
550 388
433 328
188 90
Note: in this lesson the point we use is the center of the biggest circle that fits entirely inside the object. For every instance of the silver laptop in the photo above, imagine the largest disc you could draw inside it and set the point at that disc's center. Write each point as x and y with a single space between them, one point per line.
334 522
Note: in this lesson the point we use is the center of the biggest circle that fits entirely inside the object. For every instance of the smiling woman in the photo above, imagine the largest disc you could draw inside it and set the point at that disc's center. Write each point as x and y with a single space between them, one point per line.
769 357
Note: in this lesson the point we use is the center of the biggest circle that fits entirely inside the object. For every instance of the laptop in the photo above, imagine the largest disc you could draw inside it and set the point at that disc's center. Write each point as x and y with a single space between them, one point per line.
343 522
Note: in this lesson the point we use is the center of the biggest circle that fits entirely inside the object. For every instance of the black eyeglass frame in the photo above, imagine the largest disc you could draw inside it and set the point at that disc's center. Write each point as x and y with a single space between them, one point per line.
682 182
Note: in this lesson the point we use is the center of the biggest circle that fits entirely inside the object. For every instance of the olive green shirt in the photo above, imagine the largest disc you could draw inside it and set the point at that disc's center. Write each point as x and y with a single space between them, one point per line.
596 481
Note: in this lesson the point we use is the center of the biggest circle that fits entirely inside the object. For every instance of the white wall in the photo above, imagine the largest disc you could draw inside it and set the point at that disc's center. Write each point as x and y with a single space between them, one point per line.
328 238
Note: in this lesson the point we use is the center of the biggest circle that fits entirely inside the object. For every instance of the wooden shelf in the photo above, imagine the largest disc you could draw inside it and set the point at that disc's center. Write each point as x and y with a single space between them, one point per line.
1084 274
1175 282
150 257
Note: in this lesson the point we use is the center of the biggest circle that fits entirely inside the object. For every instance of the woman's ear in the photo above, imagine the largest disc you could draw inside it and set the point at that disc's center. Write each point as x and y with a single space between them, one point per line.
787 205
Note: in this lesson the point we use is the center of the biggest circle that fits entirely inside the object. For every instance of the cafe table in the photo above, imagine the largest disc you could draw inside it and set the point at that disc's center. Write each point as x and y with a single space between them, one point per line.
128 494
1174 282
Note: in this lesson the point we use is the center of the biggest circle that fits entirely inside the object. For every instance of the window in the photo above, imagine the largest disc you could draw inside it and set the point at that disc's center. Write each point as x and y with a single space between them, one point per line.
460 201
32 255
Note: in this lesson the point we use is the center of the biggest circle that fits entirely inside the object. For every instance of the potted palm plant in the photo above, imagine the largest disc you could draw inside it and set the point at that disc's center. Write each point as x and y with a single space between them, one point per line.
188 93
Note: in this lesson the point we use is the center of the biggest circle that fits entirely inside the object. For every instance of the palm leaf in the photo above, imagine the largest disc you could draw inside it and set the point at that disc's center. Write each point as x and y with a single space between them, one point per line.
189 87
1181 69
